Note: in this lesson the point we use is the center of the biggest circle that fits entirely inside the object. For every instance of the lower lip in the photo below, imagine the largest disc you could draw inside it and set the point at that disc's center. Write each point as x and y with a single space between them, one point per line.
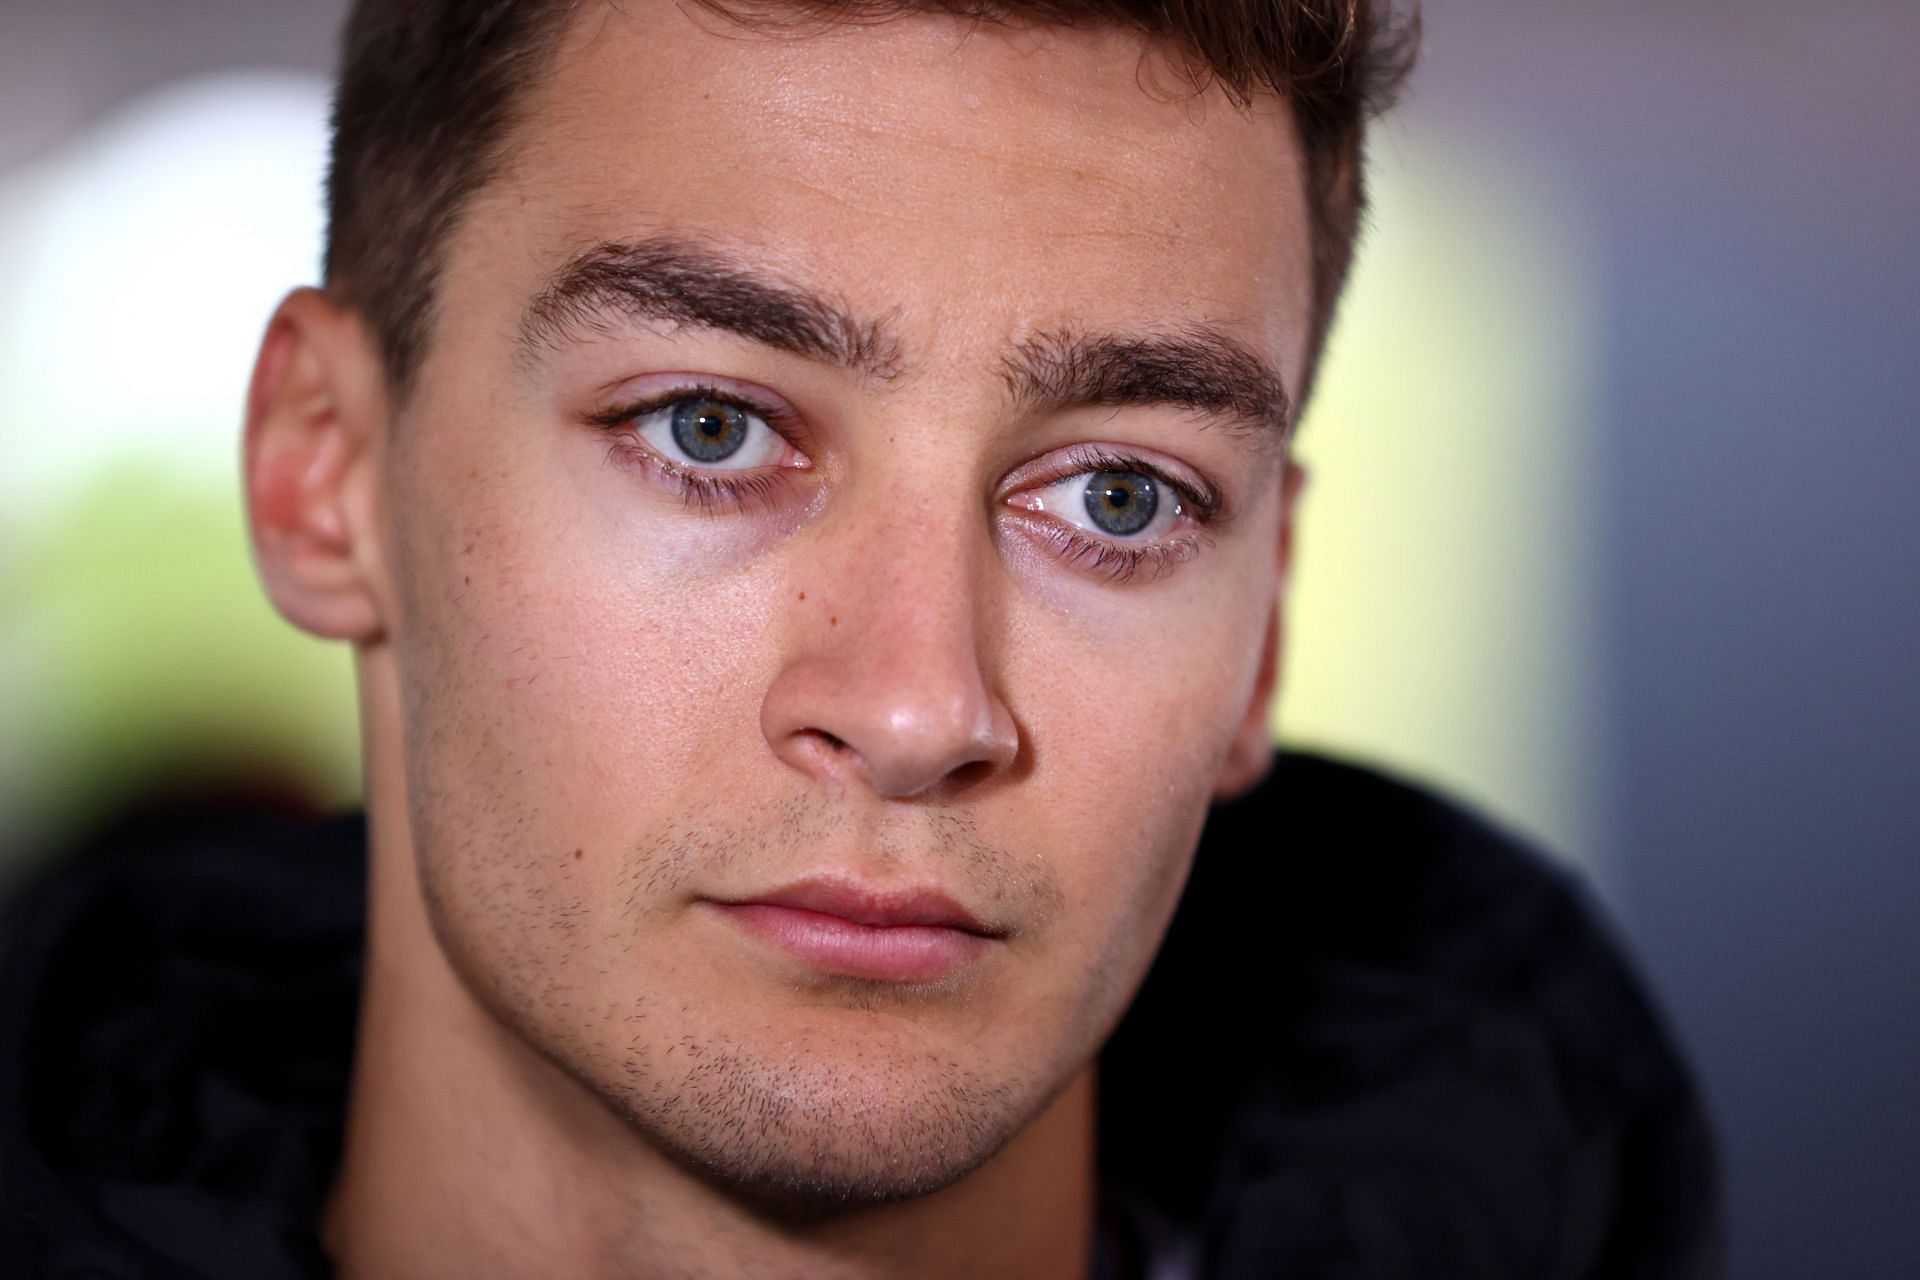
890 953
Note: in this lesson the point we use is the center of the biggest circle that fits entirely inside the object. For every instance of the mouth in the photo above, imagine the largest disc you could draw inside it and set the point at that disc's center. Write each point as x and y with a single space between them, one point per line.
844 928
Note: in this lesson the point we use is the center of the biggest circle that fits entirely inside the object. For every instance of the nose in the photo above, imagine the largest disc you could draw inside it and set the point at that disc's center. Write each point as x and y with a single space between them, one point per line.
884 683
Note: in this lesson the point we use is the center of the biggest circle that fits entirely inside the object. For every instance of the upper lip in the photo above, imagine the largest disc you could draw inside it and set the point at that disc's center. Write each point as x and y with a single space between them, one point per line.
875 907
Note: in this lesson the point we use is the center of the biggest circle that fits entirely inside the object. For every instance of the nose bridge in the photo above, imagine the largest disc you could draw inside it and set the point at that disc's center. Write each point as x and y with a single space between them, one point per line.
912 577
889 677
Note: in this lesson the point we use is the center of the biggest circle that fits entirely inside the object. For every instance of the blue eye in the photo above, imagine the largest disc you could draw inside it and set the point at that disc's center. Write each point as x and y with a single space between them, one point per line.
1116 502
708 432
1121 503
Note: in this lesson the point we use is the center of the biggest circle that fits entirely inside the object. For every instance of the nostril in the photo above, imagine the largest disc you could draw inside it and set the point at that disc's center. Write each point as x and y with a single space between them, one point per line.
823 745
968 774
830 754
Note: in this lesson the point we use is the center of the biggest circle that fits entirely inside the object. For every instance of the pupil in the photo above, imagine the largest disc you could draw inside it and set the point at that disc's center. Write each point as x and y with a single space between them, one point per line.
1122 502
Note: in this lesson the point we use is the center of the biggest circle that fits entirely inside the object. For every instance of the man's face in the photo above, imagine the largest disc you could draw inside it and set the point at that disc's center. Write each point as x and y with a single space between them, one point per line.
833 537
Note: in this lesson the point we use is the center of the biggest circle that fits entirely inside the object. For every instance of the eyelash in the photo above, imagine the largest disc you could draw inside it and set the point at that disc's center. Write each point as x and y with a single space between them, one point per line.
1116 561
708 491
1121 561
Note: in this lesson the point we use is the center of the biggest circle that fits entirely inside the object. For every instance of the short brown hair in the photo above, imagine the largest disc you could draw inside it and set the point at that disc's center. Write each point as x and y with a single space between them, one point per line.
428 91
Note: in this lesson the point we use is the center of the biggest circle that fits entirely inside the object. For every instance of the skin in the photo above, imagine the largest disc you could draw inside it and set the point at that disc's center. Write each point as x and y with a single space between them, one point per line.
591 707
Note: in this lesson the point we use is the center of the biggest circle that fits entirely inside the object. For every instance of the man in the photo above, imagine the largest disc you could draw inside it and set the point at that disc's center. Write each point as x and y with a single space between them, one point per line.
808 490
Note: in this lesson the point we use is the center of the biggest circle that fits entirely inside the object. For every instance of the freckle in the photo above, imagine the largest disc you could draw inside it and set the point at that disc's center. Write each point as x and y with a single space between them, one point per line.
833 622
466 580
579 854
803 595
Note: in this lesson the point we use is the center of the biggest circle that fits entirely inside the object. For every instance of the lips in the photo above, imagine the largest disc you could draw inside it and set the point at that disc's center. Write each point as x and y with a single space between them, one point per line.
839 927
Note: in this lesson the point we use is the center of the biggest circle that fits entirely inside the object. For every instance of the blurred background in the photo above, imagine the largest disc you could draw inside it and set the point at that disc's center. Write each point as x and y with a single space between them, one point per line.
1612 528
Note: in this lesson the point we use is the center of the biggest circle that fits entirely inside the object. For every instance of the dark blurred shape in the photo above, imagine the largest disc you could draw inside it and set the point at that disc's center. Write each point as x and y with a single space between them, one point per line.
1382 1040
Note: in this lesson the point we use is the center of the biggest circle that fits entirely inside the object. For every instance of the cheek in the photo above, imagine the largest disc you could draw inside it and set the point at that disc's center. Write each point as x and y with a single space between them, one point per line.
1133 696
569 681
1131 708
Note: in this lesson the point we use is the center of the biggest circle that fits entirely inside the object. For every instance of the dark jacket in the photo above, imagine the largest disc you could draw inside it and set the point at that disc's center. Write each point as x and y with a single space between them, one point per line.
1381 1041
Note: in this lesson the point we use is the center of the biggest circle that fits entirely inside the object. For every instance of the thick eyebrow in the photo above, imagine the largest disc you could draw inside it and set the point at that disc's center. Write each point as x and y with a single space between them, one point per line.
1197 368
668 278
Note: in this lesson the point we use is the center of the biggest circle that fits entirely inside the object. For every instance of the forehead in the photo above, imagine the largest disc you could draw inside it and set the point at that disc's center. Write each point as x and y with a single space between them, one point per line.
957 176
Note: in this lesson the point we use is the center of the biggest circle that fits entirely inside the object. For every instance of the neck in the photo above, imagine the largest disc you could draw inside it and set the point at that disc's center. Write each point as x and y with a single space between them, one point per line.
469 1153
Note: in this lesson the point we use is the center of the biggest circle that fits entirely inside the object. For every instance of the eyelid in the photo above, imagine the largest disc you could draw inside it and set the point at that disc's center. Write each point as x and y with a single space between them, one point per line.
631 397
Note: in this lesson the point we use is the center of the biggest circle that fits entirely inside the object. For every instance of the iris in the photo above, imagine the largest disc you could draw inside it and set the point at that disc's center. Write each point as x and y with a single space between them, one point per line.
1121 502
709 430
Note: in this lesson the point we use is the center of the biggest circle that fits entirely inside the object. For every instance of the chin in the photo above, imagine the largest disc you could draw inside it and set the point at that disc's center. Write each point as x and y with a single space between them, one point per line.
800 1137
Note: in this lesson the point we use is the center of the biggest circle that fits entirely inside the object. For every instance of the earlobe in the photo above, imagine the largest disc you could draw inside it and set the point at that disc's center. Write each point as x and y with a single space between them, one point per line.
1251 753
314 407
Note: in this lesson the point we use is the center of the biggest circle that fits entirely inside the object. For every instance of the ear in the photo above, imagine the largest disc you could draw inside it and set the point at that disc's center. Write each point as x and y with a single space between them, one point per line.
316 407
1251 753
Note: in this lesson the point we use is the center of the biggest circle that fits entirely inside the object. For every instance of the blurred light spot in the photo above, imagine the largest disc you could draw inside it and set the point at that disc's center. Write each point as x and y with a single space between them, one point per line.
1441 606
136 650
